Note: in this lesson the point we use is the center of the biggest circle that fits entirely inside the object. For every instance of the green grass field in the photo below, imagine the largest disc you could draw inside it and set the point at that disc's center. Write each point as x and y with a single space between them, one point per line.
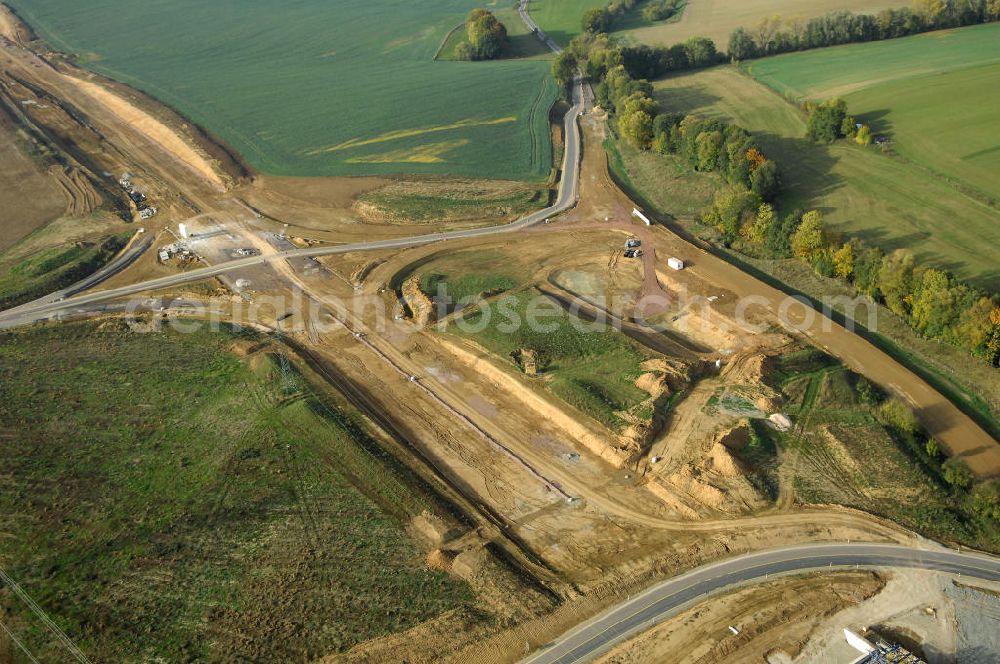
717 19
435 202
562 19
164 501
934 95
884 200
592 370
320 88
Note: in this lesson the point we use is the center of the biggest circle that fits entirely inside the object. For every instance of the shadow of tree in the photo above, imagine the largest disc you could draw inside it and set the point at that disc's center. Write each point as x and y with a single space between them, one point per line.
524 46
806 168
685 98
878 121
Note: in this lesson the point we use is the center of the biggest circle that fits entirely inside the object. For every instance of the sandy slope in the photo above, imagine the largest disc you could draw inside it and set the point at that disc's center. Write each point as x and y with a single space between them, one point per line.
150 127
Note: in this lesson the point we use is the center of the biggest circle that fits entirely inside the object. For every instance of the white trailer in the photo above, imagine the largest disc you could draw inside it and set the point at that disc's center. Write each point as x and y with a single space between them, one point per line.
675 263
636 212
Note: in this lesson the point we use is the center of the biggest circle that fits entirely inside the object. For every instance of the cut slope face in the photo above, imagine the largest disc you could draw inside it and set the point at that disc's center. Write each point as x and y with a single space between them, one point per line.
319 88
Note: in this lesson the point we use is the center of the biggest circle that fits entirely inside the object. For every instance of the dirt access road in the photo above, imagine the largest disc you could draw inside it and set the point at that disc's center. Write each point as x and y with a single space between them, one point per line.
601 198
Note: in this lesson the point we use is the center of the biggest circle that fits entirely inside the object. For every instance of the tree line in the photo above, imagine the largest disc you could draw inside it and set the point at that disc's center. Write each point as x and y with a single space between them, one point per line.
487 37
771 35
933 302
602 19
596 54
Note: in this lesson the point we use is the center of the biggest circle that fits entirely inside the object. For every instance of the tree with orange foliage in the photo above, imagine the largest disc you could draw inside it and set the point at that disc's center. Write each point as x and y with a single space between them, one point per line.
755 158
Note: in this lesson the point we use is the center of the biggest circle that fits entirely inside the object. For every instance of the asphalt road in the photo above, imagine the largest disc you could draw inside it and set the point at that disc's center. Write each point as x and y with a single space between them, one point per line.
125 258
638 613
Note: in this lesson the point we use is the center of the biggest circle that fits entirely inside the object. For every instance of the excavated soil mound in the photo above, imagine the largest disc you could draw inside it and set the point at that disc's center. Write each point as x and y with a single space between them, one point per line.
440 560
419 304
748 368
721 460
653 383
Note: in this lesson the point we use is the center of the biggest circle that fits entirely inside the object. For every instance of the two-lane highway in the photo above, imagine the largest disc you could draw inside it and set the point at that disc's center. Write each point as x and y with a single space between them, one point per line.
660 602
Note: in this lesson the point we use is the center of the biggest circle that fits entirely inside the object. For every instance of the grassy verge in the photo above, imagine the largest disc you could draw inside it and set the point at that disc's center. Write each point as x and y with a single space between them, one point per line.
592 370
53 268
170 502
464 288
402 205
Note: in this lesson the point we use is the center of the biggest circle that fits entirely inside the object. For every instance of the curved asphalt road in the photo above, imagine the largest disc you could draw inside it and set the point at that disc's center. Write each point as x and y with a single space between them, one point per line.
124 258
670 597
569 193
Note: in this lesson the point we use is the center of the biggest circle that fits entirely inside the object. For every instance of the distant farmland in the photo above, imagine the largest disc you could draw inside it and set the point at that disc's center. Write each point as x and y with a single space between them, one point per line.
884 200
562 19
700 18
317 87
936 95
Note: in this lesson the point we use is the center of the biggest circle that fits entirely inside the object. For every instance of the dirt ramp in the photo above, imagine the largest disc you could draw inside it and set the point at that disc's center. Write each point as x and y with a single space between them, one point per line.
82 197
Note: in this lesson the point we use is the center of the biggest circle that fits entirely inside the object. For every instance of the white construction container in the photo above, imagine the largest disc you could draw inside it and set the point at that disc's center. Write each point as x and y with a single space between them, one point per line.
675 263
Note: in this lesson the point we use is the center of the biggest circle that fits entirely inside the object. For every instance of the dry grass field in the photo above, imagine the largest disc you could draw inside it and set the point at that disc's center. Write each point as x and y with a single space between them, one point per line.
718 18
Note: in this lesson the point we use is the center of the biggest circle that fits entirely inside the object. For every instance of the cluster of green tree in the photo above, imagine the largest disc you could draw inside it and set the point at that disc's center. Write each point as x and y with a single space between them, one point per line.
600 19
770 36
831 120
661 10
655 61
934 303
487 37
597 54
976 499
712 145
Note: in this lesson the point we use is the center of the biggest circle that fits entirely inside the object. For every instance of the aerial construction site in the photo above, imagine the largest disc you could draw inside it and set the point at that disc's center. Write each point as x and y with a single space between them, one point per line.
335 419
